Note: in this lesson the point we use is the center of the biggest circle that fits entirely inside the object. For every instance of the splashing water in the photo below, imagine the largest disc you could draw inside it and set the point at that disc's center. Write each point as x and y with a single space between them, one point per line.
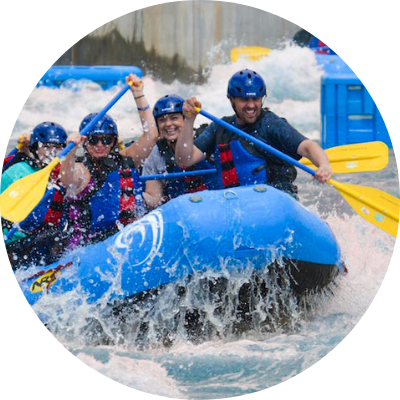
224 366
292 76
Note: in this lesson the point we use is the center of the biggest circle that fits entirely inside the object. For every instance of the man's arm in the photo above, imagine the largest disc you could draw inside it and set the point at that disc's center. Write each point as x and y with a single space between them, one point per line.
313 152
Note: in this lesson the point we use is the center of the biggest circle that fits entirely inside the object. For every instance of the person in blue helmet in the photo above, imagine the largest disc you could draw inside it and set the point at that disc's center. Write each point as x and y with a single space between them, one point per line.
37 238
46 141
242 163
303 38
169 120
103 187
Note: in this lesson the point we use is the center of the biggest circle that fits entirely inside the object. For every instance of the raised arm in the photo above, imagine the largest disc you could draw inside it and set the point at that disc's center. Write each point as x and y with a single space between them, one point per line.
186 153
141 149
313 152
23 144
73 176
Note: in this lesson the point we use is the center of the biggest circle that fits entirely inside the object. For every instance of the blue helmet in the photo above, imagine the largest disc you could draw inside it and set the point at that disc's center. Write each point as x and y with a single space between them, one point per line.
246 83
47 132
104 126
171 103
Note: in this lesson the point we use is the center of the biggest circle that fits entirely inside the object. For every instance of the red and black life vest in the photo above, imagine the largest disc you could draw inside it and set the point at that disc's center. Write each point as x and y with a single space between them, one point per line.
176 187
47 213
228 173
54 212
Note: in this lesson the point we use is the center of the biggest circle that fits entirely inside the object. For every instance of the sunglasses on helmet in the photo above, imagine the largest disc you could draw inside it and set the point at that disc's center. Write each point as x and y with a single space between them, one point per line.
105 140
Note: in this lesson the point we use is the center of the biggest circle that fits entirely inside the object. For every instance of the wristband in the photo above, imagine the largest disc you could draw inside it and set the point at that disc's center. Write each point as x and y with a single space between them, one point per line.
143 108
139 96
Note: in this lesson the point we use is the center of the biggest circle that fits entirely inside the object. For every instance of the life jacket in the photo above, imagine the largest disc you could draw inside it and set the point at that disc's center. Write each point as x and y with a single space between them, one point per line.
175 187
113 197
7 160
17 158
242 163
47 213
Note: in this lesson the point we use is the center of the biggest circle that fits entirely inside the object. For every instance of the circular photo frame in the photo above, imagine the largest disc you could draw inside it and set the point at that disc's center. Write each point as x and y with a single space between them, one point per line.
219 229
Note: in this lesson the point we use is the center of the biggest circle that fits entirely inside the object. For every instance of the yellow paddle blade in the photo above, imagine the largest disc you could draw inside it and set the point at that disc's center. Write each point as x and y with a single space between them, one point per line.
253 53
377 207
20 198
359 157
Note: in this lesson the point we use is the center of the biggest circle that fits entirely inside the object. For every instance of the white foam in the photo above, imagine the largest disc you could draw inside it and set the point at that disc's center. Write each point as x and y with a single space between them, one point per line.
292 76
144 375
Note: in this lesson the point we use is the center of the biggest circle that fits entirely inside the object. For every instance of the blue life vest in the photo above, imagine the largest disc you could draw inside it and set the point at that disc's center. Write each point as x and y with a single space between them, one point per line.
108 205
111 197
242 163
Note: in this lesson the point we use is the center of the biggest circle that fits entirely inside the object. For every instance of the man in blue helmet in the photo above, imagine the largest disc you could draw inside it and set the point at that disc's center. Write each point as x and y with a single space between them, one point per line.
169 120
103 187
37 238
242 163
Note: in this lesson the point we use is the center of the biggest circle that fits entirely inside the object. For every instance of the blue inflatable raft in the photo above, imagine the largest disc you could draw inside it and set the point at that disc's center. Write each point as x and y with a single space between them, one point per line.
106 76
222 231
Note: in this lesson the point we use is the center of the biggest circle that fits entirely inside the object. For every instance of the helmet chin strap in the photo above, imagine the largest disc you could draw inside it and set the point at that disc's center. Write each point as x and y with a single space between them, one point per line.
233 105
263 100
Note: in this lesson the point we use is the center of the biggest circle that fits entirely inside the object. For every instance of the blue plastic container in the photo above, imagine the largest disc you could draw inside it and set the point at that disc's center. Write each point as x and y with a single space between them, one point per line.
332 64
348 113
105 76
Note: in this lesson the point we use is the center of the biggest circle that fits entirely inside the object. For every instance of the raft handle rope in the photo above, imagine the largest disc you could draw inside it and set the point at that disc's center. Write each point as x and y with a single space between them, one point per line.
230 195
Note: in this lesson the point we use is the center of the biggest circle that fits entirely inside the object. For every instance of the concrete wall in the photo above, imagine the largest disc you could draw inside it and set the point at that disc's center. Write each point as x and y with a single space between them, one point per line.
187 36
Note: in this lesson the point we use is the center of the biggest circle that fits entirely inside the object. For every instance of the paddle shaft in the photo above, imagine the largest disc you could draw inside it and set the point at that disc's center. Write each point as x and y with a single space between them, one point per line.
174 175
13 151
257 142
97 118
13 230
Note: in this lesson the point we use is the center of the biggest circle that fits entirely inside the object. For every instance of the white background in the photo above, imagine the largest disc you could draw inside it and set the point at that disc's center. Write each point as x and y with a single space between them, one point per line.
34 34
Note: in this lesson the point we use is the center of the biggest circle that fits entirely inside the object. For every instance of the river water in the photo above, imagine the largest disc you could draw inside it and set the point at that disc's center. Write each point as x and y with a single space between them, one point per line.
226 368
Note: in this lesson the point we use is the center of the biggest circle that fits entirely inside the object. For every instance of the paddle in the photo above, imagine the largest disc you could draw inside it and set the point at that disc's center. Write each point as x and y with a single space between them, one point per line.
174 175
359 157
20 198
252 53
377 207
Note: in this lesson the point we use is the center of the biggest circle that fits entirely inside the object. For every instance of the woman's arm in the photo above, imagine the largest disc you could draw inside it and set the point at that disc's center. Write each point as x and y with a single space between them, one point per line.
186 153
141 149
153 194
74 176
